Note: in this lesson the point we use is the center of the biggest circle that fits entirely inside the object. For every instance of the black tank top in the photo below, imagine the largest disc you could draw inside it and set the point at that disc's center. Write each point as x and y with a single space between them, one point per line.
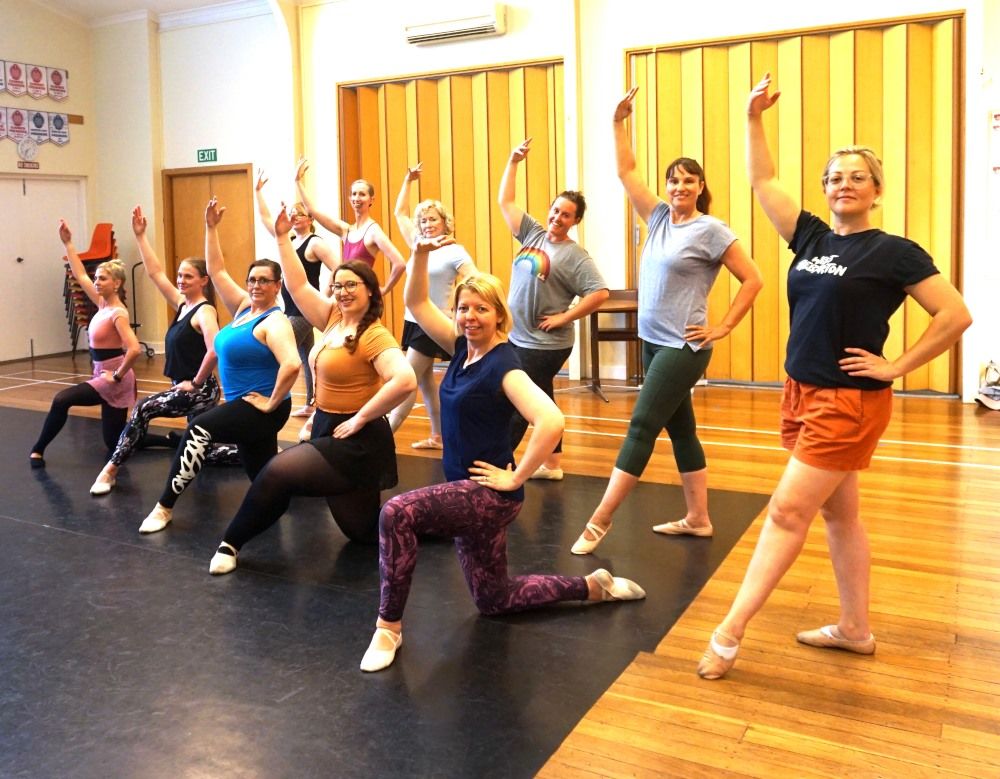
312 276
185 347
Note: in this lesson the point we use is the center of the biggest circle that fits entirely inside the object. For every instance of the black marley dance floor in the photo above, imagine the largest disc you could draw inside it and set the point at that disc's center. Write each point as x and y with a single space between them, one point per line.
122 657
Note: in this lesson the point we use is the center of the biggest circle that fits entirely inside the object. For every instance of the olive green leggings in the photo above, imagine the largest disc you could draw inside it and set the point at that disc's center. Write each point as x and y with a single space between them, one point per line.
665 403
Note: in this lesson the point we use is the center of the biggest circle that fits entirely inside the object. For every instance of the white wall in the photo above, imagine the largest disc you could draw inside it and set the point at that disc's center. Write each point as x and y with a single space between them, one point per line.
35 35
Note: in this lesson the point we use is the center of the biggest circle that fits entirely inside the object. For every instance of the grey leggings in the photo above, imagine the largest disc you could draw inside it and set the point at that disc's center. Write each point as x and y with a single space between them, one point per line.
665 403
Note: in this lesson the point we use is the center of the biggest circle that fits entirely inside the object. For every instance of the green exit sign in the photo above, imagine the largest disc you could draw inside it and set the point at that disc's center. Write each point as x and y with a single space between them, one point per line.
208 155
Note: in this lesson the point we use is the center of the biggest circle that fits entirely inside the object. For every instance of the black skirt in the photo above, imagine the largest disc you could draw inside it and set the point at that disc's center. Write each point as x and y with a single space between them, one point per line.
368 457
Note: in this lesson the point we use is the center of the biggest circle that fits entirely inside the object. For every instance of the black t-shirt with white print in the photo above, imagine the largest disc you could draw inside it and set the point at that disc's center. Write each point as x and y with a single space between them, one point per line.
842 289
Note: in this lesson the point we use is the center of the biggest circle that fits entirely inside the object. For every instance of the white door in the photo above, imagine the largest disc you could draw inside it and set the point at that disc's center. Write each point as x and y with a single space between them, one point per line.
31 258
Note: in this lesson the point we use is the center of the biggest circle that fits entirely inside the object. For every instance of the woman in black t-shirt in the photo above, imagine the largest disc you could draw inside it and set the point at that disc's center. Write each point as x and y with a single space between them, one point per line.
845 282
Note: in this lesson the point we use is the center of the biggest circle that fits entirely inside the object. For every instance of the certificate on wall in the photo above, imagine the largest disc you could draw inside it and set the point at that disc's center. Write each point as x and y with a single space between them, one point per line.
59 129
3 76
37 87
38 126
17 124
58 79
16 78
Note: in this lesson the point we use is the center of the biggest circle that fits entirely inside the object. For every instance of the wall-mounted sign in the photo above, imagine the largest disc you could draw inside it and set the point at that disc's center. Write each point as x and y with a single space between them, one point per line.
208 155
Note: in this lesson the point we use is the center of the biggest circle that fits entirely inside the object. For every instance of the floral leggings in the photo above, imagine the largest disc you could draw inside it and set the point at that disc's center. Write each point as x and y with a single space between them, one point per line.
477 518
170 404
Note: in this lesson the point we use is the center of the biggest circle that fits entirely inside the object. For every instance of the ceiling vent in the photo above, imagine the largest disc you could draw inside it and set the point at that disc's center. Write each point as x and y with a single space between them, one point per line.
466 20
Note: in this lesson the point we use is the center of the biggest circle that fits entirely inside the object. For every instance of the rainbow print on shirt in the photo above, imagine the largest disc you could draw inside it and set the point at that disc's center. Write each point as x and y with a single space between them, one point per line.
536 260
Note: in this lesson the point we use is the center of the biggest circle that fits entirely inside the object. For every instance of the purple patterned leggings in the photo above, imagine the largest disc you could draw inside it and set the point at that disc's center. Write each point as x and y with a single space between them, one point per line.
477 518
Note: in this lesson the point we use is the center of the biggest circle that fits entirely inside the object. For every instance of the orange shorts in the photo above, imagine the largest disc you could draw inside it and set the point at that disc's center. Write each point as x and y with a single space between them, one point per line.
833 428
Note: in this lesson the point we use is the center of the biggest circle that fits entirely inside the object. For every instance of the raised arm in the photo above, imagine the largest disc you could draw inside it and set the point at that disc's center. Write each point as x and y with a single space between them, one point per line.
336 226
232 294
416 295
315 306
397 265
739 263
262 210
949 319
512 212
320 250
152 264
642 198
76 264
402 208
779 205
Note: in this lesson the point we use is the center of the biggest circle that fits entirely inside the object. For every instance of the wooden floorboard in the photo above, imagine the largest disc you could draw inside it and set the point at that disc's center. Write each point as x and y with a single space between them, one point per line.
926 704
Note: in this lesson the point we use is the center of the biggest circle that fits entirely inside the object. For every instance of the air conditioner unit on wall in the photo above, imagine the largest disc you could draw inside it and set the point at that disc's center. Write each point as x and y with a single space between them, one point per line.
468 20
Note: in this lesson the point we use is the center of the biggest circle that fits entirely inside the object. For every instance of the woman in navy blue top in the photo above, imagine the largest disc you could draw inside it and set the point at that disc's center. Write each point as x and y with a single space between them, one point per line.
845 282
258 365
483 388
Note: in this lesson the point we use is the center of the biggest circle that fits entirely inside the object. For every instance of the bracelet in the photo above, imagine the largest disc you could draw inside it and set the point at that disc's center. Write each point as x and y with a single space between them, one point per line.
196 384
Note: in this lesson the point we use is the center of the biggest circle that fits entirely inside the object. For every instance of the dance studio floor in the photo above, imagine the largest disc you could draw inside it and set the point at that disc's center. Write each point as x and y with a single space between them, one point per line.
121 656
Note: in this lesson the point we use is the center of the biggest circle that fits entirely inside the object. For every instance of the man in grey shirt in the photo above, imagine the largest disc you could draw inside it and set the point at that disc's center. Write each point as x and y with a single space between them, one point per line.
548 273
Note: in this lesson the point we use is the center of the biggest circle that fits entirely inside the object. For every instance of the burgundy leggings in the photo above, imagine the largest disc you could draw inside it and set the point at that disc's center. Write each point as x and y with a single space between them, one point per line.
477 518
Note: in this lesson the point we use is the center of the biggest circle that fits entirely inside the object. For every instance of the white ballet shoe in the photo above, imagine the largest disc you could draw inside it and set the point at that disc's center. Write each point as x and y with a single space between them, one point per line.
224 560
617 587
377 656
158 519
103 485
586 545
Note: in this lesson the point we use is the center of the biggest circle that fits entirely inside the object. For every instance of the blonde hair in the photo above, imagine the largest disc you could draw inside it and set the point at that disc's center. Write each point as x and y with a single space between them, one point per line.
490 289
436 205
116 270
871 160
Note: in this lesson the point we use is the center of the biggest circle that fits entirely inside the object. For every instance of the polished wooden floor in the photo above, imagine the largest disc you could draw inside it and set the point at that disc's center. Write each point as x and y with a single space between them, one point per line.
927 704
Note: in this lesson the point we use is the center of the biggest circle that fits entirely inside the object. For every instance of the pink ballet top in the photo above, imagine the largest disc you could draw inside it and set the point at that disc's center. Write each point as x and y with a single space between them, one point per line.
356 250
101 332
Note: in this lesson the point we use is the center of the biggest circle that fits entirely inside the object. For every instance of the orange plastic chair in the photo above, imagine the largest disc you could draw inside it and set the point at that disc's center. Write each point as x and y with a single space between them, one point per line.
102 243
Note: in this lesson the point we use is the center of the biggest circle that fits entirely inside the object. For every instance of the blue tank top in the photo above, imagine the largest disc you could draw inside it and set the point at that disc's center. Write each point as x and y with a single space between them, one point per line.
245 364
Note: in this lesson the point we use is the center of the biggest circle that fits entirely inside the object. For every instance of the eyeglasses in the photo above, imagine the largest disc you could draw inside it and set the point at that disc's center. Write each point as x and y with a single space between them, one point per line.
855 179
256 281
350 286
296 214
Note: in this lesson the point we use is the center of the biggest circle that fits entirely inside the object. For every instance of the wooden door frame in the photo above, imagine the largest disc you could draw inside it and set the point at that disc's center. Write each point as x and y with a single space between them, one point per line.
166 177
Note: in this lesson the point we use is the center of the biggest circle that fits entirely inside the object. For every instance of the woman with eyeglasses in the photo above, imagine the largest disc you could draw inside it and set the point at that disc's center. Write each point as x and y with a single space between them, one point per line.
685 250
190 355
314 253
844 284
447 266
361 374
258 365
113 350
363 238
483 388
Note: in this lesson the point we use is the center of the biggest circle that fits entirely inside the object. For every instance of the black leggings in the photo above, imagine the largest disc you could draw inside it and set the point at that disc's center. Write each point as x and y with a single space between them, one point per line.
112 419
237 422
541 365
302 470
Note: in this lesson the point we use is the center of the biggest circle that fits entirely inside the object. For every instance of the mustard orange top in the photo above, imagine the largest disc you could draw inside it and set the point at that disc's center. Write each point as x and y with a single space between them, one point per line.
345 381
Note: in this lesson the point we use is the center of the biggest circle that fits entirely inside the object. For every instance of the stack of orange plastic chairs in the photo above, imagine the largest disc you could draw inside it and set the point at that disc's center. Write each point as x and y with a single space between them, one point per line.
79 309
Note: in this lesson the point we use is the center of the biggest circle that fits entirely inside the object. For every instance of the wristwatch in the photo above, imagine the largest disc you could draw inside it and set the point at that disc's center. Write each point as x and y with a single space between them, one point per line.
115 376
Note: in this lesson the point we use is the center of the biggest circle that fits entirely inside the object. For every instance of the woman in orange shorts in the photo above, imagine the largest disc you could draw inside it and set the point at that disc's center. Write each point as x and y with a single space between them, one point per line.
845 282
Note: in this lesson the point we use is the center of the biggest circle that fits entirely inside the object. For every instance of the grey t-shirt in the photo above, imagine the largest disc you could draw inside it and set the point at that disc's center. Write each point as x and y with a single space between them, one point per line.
679 266
442 268
544 280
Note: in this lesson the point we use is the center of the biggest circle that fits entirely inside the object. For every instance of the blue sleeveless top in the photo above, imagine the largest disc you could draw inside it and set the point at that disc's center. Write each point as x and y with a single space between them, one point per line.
245 364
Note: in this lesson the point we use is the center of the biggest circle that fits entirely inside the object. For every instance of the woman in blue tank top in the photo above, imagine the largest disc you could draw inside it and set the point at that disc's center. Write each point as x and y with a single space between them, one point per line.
258 365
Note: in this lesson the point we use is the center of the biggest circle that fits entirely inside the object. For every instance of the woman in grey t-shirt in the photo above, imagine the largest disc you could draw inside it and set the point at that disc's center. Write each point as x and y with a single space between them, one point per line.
684 251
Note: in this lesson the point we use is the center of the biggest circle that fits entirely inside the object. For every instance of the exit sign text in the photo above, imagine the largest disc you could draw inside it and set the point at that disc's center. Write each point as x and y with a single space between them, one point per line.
208 155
